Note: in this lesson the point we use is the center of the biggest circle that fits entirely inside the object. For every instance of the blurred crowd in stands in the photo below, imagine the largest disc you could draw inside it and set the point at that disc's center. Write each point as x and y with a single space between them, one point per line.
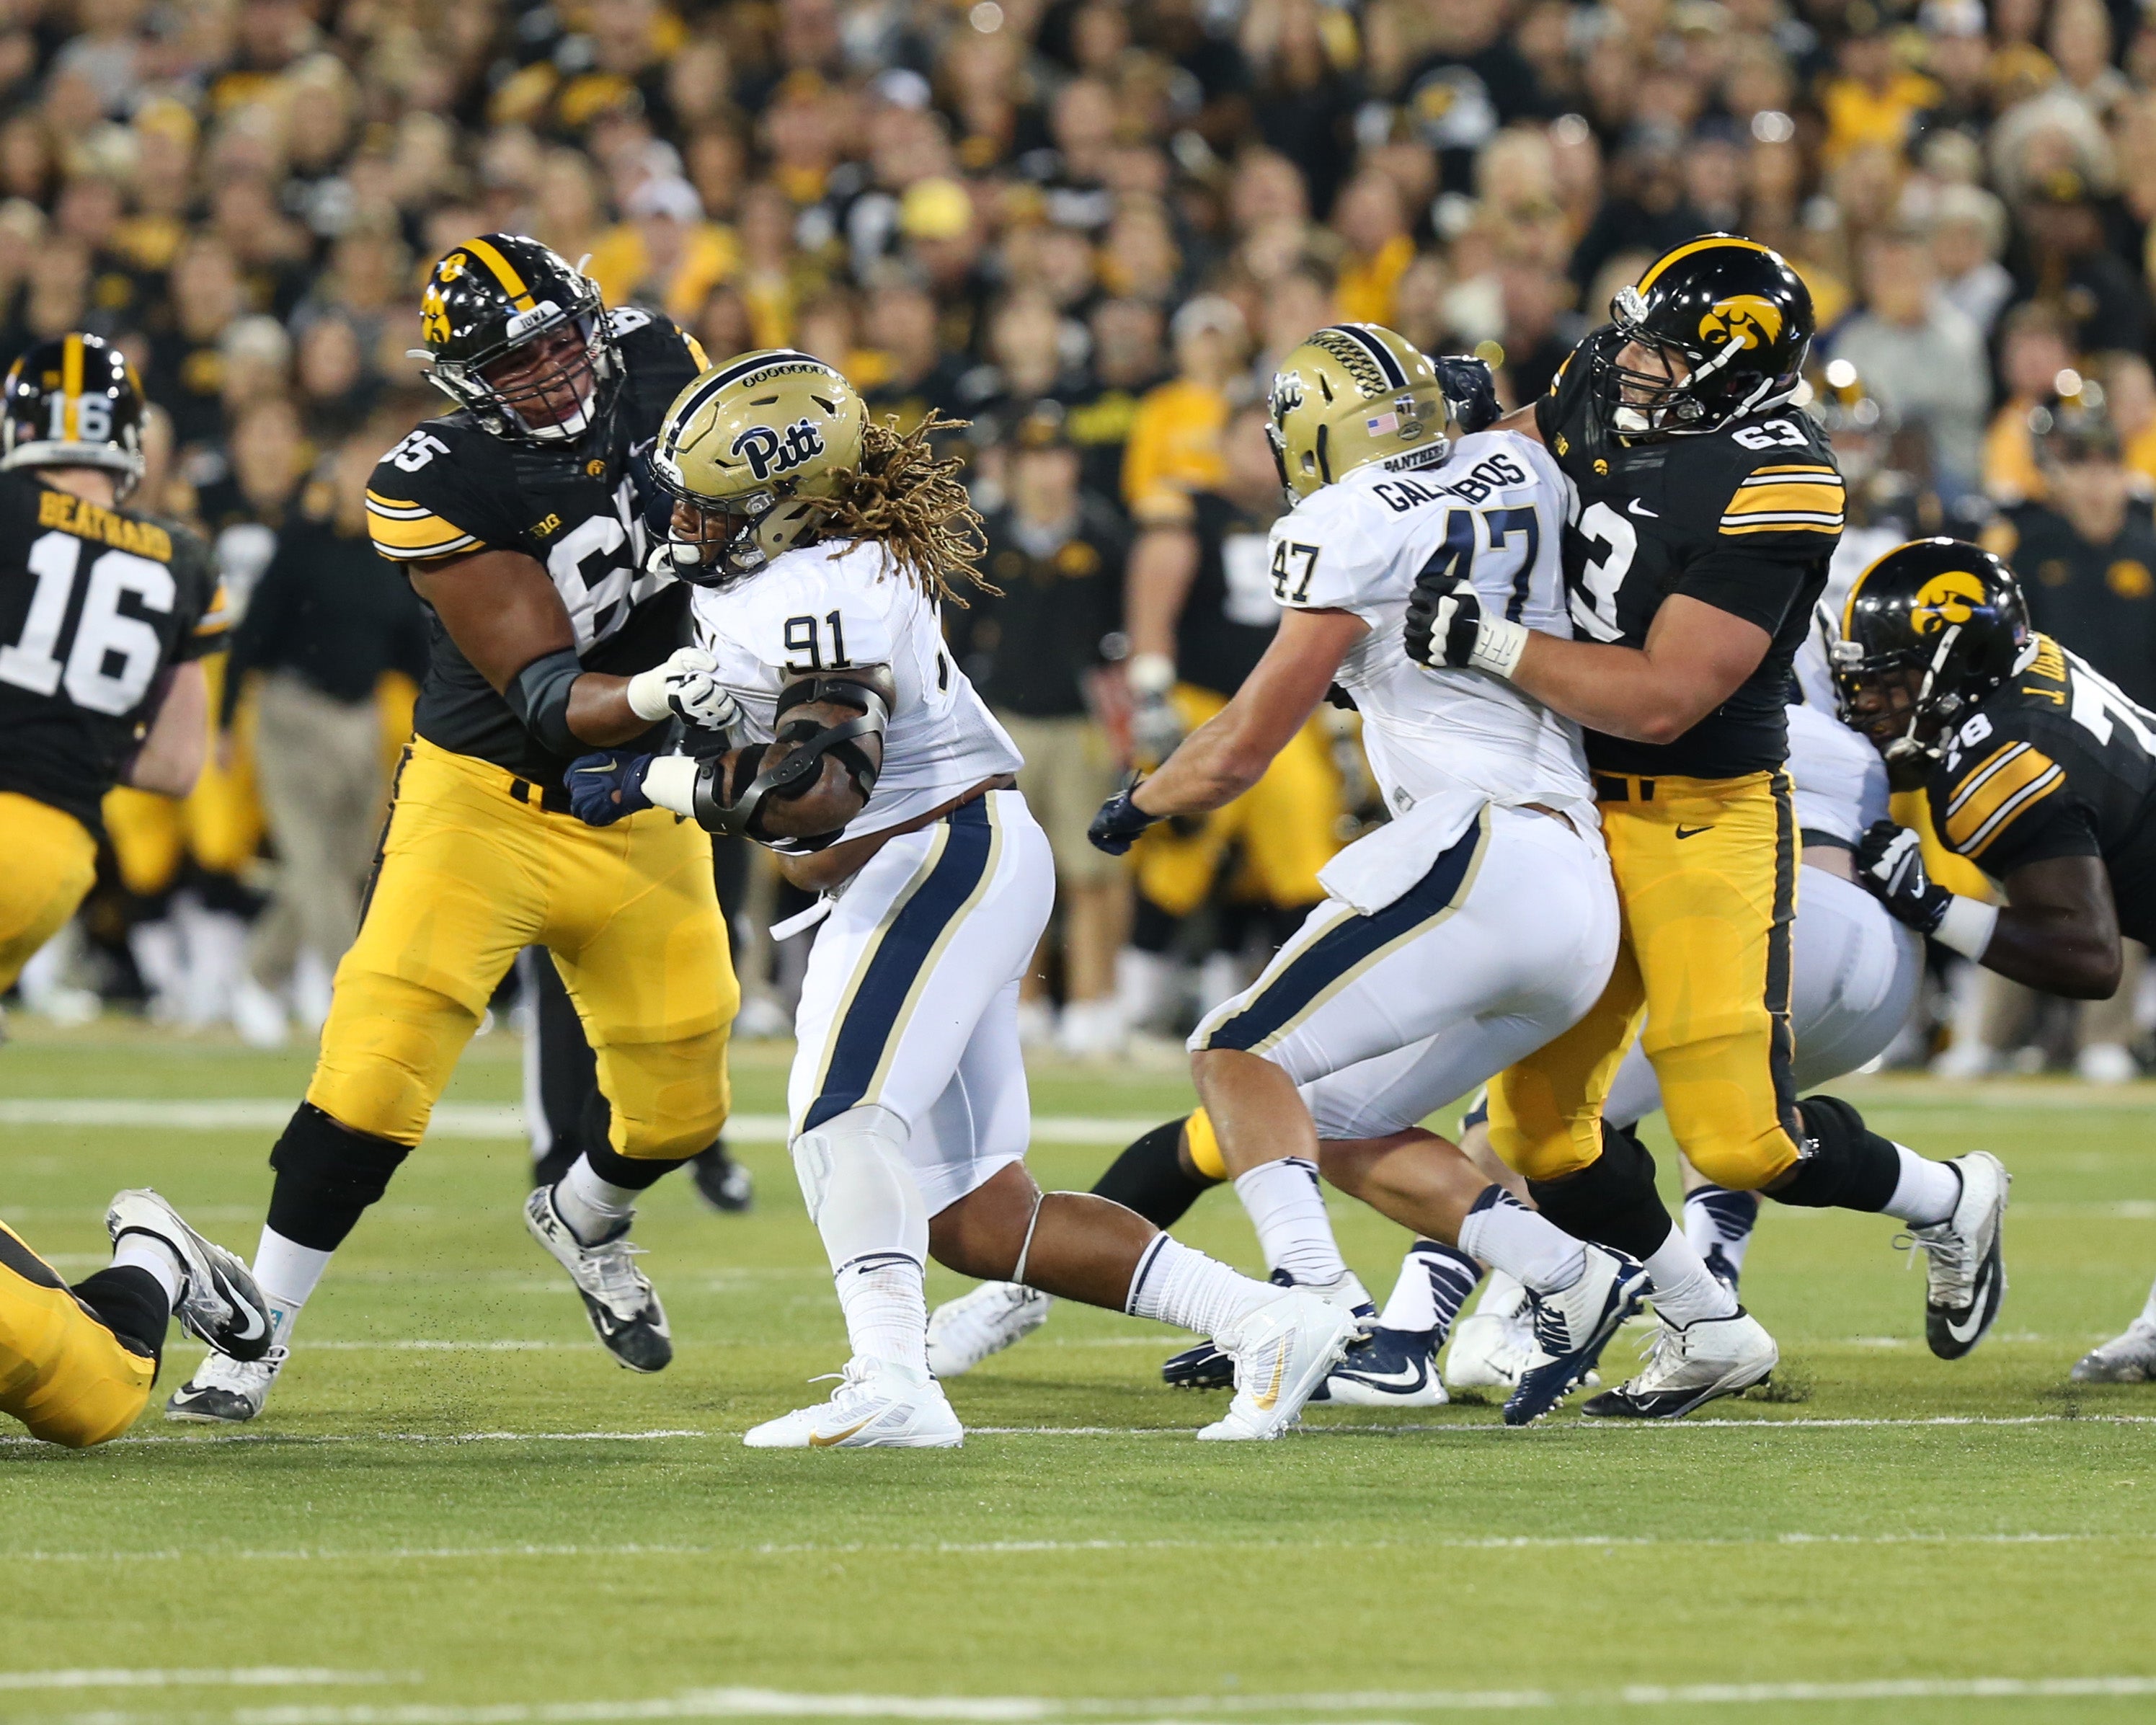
1089 228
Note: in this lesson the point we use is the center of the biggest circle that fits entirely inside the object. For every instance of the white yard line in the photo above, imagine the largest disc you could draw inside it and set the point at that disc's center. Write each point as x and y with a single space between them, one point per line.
259 1677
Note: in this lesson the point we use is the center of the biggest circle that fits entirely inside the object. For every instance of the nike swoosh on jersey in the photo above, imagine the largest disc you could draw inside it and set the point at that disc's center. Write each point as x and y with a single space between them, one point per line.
1685 832
1636 507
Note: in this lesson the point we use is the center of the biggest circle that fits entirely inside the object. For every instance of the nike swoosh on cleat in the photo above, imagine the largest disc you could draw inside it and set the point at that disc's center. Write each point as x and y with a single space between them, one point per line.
1962 1333
1269 1397
837 1437
255 1326
1411 1377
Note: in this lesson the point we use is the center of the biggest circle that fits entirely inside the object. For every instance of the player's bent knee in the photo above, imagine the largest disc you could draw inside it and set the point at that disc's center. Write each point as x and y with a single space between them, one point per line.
327 1174
859 1189
1743 1164
388 1051
670 1099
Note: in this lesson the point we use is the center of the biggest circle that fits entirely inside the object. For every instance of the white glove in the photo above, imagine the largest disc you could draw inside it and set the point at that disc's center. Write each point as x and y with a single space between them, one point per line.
687 688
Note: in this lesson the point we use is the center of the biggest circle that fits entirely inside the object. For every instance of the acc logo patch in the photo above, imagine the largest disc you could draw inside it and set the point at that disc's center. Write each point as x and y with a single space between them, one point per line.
767 451
1953 598
1745 319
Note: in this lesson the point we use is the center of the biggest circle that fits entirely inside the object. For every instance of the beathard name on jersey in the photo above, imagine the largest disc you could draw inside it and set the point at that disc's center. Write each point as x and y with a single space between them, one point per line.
78 515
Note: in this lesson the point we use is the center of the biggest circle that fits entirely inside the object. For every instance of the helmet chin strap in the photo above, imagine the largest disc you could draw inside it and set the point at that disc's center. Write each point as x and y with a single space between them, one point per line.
1906 745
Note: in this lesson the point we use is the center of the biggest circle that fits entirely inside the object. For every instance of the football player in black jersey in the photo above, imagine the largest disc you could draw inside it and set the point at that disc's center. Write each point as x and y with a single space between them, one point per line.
2035 768
106 614
521 522
1708 509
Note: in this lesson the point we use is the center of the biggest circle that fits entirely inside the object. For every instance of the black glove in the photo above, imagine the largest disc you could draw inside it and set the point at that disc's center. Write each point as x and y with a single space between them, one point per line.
1120 821
607 787
1445 619
1890 863
1471 391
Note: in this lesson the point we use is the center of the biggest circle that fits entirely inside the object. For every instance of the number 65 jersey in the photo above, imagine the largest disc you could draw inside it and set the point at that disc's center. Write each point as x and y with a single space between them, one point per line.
96 605
1493 514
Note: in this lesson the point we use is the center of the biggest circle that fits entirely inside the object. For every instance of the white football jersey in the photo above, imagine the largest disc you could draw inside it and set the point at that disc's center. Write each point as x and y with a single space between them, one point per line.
831 606
1839 780
1496 510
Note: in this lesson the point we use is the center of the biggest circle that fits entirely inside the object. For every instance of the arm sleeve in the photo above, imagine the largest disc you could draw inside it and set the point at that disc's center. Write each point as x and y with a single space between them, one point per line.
2010 807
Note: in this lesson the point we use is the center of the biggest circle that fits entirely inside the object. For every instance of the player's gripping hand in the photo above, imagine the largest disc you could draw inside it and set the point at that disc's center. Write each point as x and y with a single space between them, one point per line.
607 787
687 688
1890 862
1448 630
1120 821
1470 389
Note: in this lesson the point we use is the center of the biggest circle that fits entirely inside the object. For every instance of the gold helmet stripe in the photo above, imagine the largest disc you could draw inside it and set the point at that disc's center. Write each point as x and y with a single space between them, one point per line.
504 272
1376 349
1691 248
70 385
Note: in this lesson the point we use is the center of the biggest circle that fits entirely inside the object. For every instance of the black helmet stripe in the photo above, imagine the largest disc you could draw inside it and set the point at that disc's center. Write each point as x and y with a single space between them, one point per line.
734 373
1376 349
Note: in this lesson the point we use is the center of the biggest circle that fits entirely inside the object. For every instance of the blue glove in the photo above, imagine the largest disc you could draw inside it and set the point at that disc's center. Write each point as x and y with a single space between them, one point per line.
1890 863
607 787
1117 827
1471 391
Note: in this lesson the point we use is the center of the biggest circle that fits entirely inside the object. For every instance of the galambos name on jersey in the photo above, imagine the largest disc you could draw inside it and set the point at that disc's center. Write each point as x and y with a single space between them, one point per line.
1491 474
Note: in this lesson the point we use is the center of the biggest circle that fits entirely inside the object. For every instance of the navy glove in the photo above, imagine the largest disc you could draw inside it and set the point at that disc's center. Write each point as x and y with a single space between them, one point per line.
1120 821
1471 391
1890 863
607 787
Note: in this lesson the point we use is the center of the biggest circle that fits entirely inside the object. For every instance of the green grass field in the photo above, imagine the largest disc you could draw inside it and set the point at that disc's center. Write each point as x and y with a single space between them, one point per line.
457 1511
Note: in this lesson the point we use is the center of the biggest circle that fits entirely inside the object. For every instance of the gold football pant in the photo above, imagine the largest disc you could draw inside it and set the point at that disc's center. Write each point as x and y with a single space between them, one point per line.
471 875
62 1372
50 863
1284 826
1706 872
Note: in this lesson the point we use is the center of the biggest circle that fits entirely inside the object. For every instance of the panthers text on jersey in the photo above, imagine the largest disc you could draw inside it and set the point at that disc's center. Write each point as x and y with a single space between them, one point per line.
1743 518
833 606
2055 761
1494 513
96 604
452 488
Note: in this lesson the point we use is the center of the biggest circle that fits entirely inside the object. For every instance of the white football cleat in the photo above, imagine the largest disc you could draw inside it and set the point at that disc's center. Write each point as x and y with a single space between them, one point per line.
225 1391
878 1404
1965 1279
1709 1357
2130 1358
220 1302
1282 1351
1494 1343
964 1331
619 1298
1573 1325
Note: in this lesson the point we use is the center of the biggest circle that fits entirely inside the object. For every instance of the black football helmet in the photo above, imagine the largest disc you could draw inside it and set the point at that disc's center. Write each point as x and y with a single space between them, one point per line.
1951 611
73 402
1735 314
492 297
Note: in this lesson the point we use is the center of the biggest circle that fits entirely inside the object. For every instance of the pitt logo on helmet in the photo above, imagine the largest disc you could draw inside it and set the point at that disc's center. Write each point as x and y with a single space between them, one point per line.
1950 598
768 452
1745 319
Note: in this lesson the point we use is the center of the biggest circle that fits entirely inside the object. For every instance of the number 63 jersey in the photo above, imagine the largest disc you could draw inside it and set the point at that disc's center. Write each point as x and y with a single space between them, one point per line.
96 605
1494 514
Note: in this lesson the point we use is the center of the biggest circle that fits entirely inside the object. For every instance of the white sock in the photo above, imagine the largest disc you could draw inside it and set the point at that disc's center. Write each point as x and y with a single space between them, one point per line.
1288 1211
1178 1285
288 1273
593 1208
1507 1236
1435 1279
145 1251
1686 1290
1718 1219
1503 1295
886 1310
1926 1194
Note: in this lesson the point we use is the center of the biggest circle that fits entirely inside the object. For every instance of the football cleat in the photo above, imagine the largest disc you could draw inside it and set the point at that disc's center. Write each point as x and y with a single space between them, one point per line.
2130 1358
1394 1368
878 1404
620 1302
1572 1327
964 1331
1494 1343
1965 1278
721 1181
220 1303
1208 1367
1688 1367
1282 1351
225 1391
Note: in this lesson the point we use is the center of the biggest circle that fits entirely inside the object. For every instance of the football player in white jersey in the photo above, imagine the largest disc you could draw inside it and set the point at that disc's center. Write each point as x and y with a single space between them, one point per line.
1482 920
844 738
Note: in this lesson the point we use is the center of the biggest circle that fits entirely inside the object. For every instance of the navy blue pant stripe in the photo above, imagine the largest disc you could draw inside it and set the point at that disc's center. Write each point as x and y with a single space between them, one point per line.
872 1018
1346 945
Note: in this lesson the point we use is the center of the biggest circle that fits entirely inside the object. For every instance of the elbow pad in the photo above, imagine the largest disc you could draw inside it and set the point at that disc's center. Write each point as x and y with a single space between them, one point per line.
539 696
798 772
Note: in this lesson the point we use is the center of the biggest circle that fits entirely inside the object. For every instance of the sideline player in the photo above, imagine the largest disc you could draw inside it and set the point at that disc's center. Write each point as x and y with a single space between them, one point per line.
2035 768
1708 509
822 548
106 614
519 517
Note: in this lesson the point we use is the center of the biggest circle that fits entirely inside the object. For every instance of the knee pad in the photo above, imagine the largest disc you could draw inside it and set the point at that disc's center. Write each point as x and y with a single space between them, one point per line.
669 1098
1842 1164
1612 1201
326 1177
860 1192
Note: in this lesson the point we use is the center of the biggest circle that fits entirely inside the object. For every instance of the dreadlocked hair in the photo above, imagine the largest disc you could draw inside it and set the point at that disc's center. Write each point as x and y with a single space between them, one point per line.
915 504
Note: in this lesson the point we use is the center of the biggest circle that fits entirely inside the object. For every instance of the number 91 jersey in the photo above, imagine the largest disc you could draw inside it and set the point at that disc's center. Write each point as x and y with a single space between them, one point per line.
96 605
452 488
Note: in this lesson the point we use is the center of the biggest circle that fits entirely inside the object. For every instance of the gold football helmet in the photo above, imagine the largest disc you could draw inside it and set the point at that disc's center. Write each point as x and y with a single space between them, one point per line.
751 452
1351 394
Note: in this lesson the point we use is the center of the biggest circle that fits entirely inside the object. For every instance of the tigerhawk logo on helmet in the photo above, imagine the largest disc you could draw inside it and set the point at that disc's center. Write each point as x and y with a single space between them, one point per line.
1950 598
1745 318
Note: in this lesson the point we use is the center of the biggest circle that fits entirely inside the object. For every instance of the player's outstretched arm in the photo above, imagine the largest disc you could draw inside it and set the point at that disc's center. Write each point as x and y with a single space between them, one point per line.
171 758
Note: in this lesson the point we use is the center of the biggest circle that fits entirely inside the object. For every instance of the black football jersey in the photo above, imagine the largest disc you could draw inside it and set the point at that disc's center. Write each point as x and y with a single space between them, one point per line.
452 487
1229 615
1744 518
2098 600
2055 762
96 605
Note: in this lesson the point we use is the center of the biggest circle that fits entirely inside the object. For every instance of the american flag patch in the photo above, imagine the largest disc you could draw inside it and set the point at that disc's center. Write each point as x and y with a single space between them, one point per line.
1382 424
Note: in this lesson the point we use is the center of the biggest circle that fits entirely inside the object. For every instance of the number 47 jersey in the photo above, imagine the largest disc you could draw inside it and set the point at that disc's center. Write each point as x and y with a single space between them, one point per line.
1494 514
96 605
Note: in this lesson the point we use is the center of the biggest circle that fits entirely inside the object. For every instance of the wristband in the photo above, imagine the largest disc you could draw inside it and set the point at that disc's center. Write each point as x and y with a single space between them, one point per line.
1966 928
1151 673
647 696
670 783
1498 646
